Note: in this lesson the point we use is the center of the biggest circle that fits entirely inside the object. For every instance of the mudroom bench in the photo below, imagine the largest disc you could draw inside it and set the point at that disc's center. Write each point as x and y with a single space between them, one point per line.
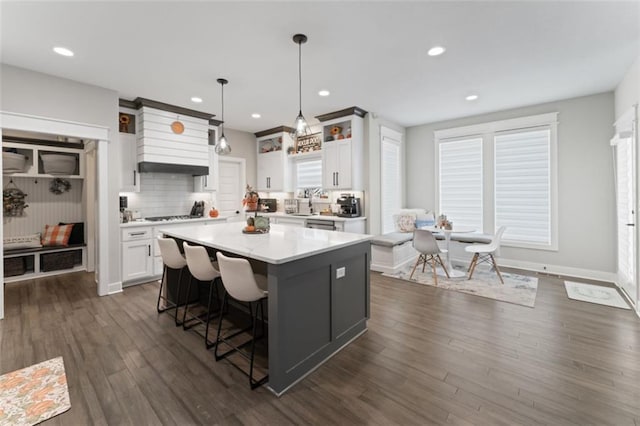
28 263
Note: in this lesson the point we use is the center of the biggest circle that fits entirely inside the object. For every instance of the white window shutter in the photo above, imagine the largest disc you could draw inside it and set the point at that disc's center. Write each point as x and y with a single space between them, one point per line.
309 173
523 186
460 179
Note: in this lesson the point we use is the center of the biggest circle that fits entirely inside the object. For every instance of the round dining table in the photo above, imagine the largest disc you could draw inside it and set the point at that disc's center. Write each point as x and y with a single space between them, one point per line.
447 237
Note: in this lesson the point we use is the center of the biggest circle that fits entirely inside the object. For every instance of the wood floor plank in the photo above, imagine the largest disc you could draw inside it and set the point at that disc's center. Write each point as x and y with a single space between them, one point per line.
430 356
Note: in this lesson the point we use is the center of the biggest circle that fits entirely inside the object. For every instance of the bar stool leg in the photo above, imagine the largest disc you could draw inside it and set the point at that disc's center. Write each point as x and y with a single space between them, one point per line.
178 288
225 302
164 272
212 286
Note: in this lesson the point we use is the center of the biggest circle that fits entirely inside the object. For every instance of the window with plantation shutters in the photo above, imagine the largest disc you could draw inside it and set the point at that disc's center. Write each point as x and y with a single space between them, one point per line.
502 173
391 181
522 186
309 173
460 182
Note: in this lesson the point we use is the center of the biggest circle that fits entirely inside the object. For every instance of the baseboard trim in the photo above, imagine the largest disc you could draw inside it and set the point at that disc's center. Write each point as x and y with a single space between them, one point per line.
114 288
568 271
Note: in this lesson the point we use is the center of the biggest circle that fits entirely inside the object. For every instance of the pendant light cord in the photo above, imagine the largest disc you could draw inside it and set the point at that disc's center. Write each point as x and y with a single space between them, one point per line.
300 75
222 125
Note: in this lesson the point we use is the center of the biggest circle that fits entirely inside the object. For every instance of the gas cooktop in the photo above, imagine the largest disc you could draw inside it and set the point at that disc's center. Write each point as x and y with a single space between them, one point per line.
170 218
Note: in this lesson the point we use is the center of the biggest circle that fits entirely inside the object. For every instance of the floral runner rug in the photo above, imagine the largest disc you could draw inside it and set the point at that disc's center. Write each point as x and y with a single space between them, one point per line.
517 289
34 394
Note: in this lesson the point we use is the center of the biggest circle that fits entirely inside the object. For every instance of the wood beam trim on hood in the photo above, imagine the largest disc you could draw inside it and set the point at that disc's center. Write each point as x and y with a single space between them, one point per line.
143 102
342 113
149 167
275 130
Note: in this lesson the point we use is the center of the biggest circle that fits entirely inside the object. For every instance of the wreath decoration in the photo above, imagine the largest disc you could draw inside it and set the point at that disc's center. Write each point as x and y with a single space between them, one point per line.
59 186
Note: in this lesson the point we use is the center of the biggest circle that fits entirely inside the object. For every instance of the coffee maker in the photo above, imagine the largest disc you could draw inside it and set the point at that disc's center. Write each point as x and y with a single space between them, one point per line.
349 206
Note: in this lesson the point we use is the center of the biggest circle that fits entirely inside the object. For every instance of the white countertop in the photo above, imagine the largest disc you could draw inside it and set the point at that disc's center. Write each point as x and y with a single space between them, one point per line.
144 222
282 244
313 216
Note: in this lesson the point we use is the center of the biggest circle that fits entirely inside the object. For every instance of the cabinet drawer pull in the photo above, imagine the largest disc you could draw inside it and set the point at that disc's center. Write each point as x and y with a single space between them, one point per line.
134 178
133 234
149 249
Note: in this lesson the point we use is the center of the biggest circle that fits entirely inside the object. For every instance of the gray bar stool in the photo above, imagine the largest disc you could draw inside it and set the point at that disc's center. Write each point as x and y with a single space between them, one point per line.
202 269
244 286
171 259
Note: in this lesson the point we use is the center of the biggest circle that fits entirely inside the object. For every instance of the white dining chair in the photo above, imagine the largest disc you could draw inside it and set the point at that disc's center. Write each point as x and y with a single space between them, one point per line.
425 243
485 253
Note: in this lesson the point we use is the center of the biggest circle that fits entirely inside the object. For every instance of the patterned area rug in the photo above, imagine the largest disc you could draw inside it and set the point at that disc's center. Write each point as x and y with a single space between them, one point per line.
595 294
517 289
34 394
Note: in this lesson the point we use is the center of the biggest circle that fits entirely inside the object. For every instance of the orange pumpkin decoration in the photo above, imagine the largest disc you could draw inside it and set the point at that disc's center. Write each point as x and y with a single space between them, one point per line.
250 228
213 212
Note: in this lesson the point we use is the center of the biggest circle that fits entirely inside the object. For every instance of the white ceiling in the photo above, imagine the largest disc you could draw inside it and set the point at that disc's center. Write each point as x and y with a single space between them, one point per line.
368 54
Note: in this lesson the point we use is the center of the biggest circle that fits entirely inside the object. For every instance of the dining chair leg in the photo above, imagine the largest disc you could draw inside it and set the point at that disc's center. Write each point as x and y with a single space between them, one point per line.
474 262
433 267
443 267
473 259
415 266
495 266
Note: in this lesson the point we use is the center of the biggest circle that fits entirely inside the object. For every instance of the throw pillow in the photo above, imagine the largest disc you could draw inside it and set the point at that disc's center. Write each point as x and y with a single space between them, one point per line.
425 219
404 222
22 242
56 235
77 233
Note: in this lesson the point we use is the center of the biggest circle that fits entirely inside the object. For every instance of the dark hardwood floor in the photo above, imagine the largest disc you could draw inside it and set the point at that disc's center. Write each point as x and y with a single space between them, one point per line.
431 356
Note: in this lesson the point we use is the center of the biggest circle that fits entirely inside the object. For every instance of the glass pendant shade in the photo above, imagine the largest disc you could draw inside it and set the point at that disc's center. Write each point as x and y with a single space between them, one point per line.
301 125
222 146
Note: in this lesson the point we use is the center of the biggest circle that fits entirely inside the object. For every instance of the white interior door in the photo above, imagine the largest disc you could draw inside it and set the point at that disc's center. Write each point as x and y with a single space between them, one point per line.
625 196
231 184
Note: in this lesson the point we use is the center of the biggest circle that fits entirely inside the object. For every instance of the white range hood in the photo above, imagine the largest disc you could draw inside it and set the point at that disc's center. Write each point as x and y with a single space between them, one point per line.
163 148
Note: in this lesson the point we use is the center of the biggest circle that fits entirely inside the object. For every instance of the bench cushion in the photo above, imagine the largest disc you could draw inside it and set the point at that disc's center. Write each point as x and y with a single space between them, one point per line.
392 239
471 237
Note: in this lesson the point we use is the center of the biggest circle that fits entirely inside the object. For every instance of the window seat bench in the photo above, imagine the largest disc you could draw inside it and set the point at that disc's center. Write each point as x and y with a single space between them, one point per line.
391 252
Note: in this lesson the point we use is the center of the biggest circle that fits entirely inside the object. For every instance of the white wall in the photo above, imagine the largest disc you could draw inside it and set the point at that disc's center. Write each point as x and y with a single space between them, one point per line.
628 91
243 145
28 92
587 242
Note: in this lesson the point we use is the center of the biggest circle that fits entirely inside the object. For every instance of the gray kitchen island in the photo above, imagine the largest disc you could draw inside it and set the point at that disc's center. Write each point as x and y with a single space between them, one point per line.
318 290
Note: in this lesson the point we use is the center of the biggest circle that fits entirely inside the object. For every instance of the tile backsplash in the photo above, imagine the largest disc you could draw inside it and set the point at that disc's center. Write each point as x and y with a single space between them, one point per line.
164 194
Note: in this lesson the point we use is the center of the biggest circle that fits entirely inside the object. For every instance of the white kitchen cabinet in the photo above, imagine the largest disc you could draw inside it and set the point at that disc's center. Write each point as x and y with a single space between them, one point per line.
274 169
129 176
356 226
299 222
209 182
127 144
343 149
137 256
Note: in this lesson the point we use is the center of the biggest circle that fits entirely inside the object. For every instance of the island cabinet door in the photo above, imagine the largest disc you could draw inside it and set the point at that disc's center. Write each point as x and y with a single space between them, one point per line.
349 295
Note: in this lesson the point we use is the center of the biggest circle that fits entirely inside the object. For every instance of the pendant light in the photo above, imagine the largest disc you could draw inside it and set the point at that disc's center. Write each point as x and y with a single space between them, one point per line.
222 147
300 125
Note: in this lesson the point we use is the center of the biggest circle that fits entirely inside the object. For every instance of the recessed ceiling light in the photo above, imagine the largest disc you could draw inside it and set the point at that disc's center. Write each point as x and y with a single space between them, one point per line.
471 97
255 115
63 51
196 100
436 51
324 93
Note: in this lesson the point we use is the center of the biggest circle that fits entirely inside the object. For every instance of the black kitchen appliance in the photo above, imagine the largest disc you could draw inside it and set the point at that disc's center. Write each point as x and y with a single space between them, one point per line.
268 204
349 206
198 209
